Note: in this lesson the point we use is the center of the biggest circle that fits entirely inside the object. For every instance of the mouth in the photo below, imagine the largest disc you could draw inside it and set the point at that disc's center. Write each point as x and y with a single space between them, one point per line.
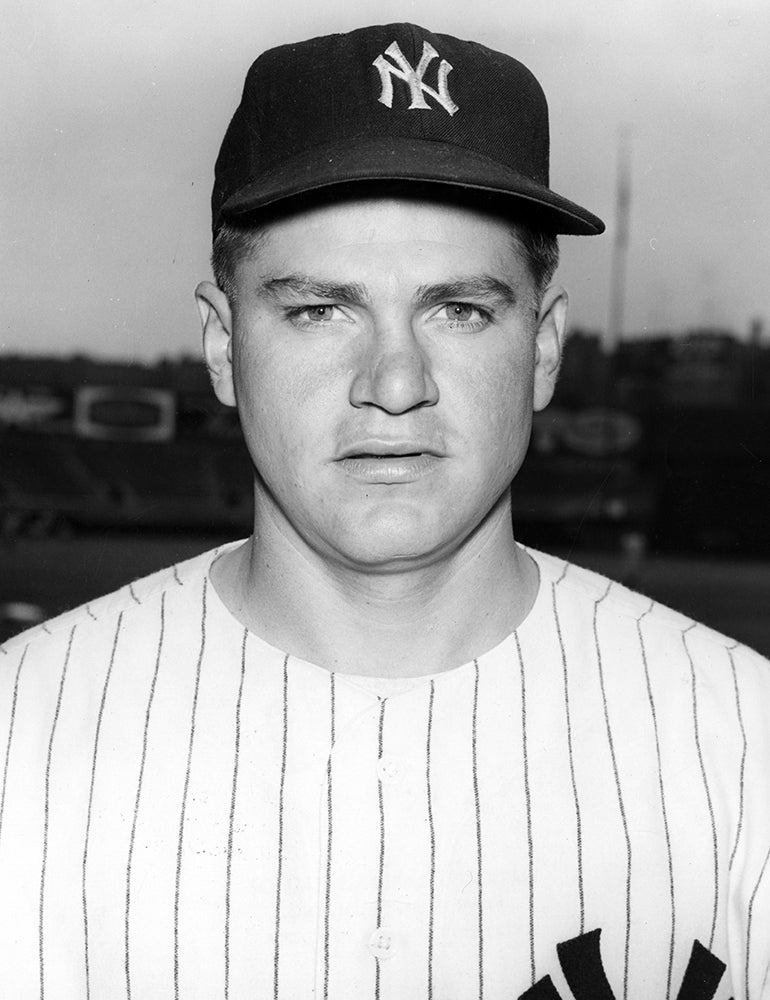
387 447
385 455
389 464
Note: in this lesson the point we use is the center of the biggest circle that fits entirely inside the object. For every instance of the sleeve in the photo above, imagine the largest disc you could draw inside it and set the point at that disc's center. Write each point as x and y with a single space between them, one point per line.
749 863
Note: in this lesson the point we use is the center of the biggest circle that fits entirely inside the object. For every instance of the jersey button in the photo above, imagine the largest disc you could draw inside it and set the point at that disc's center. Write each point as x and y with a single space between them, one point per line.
389 770
381 944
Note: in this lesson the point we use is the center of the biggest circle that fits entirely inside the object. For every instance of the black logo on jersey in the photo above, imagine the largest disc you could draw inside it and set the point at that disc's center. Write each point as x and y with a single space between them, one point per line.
581 962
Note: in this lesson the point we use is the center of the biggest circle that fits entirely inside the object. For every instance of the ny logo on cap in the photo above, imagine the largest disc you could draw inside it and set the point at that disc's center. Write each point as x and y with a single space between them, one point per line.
403 70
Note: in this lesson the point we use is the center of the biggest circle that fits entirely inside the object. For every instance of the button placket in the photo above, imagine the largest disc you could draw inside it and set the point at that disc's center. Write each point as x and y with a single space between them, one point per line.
381 944
389 769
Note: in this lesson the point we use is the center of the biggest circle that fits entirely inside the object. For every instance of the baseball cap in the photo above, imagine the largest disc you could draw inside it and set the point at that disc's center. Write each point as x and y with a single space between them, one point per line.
390 102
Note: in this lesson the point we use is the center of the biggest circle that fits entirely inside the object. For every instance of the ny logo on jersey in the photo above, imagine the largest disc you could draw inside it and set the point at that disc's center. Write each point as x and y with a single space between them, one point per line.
581 962
403 70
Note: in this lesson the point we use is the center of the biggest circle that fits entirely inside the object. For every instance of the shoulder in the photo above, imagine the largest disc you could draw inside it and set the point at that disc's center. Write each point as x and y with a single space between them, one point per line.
618 615
135 604
55 678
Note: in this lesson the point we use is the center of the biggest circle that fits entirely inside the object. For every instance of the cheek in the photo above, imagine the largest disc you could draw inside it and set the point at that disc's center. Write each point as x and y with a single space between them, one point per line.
501 401
282 399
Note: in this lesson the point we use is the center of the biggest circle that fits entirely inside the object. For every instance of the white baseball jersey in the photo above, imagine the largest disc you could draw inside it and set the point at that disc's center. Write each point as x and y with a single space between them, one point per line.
187 812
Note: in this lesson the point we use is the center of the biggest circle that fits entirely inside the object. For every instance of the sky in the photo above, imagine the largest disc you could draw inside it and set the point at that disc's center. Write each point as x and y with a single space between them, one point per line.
113 113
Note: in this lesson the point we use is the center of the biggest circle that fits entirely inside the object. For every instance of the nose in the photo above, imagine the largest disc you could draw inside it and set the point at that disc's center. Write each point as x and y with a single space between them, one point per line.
394 375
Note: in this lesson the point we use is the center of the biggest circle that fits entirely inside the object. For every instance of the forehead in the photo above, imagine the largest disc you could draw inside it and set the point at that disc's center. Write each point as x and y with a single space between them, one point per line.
399 234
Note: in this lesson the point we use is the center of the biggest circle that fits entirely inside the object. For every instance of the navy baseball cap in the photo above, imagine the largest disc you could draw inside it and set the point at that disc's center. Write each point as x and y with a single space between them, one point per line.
390 102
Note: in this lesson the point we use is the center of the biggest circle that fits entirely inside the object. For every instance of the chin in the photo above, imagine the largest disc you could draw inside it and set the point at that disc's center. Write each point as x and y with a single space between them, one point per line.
386 560
401 540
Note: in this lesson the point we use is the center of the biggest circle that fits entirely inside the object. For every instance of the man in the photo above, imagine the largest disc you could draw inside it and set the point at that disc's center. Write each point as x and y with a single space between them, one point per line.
380 749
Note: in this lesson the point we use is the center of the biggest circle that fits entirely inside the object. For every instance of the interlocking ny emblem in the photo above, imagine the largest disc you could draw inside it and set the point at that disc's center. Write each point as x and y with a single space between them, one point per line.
403 70
581 962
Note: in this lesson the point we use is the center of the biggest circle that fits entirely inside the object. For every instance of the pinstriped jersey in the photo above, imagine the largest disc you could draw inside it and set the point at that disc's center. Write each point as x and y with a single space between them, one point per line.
187 812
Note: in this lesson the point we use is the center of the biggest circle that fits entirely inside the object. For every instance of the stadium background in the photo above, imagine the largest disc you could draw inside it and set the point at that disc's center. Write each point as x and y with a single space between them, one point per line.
652 465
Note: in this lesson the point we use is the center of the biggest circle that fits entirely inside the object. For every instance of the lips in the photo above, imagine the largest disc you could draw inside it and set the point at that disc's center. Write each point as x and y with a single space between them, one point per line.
379 449
387 455
389 462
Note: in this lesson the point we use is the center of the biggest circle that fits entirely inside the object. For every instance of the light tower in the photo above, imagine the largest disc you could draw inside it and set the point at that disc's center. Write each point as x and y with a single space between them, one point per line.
619 259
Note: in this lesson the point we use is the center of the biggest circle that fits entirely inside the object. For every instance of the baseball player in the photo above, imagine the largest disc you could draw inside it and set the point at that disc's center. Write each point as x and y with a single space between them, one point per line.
380 749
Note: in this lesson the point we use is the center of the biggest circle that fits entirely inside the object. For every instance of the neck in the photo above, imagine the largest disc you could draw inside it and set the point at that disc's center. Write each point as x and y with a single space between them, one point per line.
394 624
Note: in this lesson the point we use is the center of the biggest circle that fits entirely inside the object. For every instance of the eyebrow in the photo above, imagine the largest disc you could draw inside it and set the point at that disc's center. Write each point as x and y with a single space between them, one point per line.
304 285
484 286
458 289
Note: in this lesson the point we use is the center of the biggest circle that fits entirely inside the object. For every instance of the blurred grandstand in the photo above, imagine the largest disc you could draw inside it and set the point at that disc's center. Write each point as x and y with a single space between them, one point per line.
666 439
89 445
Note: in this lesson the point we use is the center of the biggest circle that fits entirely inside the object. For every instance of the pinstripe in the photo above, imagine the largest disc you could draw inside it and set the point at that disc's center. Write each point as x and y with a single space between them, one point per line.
231 825
140 779
180 844
328 888
132 592
571 756
11 725
381 873
661 787
176 576
90 613
528 808
749 922
616 773
707 790
279 874
477 803
46 810
432 832
91 796
741 789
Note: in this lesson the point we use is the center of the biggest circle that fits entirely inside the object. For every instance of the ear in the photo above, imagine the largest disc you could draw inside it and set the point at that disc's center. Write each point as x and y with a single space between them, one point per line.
217 321
549 339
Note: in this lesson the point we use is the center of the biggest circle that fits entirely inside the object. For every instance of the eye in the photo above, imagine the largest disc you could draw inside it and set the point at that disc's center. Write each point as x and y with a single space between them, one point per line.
460 311
317 314
464 315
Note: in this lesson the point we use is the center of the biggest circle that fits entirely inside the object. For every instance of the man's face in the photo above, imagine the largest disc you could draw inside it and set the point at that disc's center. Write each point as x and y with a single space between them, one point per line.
386 356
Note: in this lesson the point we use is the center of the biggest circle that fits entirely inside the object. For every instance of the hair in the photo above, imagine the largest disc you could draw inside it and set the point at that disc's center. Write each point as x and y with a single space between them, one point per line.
540 249
233 242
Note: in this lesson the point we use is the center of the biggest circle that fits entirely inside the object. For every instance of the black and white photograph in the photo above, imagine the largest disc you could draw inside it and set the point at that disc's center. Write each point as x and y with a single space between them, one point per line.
384 490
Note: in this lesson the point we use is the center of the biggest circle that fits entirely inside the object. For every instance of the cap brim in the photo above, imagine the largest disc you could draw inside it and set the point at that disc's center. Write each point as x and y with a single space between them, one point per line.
408 159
